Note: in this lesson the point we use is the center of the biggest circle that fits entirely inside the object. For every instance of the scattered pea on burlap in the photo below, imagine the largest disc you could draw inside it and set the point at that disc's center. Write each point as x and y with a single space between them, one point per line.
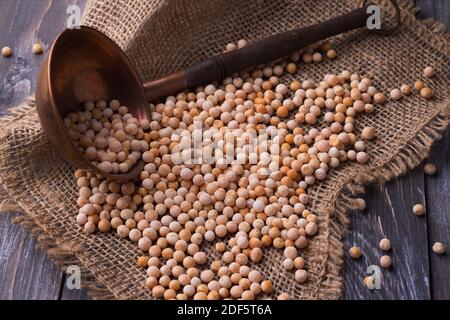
164 35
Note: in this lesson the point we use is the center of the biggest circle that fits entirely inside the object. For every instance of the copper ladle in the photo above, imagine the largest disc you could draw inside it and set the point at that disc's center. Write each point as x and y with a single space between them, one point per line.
85 65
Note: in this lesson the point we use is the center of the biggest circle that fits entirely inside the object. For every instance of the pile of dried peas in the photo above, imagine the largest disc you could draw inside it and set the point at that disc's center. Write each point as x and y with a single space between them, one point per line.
177 207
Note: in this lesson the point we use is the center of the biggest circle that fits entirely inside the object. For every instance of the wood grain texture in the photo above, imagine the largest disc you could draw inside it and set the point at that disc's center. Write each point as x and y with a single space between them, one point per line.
438 186
389 214
416 273
23 23
25 271
438 216
73 294
436 9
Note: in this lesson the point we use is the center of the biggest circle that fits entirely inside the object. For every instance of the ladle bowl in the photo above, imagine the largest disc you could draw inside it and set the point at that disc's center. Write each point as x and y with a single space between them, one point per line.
85 65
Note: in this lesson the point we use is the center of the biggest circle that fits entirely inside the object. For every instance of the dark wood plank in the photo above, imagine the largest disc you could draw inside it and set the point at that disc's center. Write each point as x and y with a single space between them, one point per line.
436 9
389 214
438 215
73 294
25 272
23 23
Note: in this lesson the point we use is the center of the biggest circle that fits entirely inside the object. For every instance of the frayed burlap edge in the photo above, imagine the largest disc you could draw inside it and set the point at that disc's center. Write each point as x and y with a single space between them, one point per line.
335 222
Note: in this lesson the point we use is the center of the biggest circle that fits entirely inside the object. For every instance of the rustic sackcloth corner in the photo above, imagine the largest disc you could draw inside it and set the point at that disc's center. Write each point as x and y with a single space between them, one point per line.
164 35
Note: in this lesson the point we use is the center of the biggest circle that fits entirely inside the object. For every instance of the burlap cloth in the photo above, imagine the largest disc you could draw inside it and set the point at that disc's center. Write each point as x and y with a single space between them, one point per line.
163 35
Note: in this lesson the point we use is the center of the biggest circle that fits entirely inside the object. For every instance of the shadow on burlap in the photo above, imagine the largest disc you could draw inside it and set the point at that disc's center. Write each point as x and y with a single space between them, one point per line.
162 36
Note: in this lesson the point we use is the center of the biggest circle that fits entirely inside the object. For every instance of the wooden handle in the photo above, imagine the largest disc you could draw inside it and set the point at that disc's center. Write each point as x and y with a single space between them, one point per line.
260 52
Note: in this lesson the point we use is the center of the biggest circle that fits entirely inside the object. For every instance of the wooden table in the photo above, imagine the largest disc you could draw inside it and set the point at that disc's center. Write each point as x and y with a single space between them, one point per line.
26 273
